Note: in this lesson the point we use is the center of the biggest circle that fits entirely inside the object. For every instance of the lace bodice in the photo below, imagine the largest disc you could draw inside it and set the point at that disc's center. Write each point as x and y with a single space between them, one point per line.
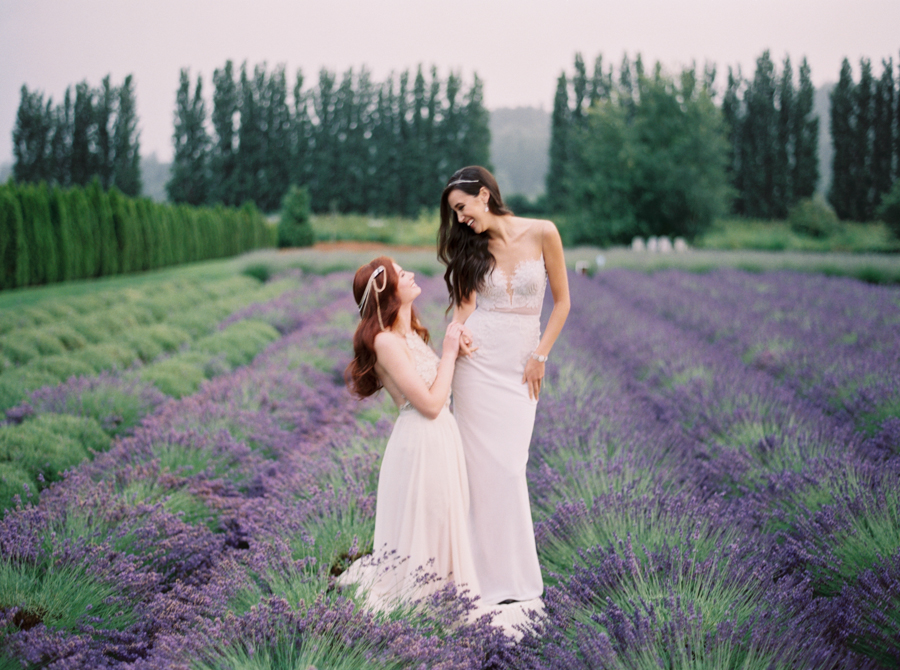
426 362
521 293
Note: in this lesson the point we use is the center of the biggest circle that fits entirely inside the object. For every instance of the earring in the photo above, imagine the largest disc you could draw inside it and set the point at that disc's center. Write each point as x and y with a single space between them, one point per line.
487 209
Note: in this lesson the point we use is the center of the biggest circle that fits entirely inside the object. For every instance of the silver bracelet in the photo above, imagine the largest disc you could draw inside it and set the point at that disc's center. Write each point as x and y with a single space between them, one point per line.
539 358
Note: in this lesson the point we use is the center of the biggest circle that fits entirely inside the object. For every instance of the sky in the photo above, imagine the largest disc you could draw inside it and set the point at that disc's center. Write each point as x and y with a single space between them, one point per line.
517 47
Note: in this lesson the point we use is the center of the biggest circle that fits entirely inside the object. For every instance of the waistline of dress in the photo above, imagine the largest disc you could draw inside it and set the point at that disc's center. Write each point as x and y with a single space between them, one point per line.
520 311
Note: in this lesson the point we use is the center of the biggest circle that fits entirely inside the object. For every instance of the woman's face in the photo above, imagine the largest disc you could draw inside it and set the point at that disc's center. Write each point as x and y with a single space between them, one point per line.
407 289
469 208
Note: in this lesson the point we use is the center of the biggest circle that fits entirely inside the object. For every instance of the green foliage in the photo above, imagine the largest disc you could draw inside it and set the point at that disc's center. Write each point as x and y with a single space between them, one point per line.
652 165
294 228
39 450
889 210
177 376
239 343
15 385
813 218
14 481
86 431
105 356
62 367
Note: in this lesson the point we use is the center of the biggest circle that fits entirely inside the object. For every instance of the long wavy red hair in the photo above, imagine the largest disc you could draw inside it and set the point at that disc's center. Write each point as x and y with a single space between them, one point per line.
360 375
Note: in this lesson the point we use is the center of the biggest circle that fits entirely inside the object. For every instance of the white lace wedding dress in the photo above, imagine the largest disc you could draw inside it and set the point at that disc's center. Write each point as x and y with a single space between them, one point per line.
421 511
496 419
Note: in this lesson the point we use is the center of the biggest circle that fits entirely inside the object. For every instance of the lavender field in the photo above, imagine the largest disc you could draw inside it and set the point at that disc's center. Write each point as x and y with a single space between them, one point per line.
714 482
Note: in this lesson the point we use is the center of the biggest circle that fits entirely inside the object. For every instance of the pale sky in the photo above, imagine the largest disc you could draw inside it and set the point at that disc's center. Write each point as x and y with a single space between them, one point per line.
518 47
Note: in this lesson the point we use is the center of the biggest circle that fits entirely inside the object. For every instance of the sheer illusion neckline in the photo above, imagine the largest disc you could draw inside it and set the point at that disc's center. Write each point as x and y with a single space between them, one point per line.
509 277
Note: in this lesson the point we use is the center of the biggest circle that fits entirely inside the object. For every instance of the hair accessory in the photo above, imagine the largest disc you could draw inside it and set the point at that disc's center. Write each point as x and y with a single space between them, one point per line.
462 181
365 296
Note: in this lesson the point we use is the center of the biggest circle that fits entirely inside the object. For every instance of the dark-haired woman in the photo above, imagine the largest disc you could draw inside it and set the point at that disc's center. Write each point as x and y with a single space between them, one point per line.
498 266
421 514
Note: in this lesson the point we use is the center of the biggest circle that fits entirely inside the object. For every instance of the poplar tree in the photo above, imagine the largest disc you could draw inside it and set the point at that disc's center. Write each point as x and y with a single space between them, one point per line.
760 138
223 157
277 140
103 117
806 138
189 180
783 195
478 132
863 201
843 137
883 132
733 116
61 142
83 135
126 173
559 147
32 136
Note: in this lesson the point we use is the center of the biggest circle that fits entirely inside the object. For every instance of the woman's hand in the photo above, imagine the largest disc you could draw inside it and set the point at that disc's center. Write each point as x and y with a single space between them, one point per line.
452 340
533 377
465 342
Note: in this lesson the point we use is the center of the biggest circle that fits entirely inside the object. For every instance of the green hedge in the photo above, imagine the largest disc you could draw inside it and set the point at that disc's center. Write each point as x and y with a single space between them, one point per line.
50 235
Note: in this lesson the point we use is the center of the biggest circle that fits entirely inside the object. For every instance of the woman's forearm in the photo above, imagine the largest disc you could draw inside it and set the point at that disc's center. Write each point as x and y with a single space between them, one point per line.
554 327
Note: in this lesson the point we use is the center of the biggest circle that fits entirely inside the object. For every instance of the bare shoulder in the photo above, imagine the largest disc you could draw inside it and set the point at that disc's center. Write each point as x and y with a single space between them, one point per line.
386 342
537 230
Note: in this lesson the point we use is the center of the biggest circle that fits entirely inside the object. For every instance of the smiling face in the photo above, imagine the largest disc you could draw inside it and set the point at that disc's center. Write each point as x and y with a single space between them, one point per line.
469 208
407 289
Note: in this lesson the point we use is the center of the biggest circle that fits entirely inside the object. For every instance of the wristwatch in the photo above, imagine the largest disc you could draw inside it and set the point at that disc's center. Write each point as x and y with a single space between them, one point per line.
539 358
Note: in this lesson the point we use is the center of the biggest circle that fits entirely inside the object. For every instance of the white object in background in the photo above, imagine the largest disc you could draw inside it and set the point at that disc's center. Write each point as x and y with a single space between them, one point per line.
680 244
652 244
600 260
637 244
664 244
581 267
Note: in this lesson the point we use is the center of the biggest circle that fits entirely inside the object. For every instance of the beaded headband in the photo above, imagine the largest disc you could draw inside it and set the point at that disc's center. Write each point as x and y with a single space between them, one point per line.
462 181
365 295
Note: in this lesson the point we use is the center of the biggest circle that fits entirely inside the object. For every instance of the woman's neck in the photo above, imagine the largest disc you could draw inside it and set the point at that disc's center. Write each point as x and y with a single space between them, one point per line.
498 228
403 323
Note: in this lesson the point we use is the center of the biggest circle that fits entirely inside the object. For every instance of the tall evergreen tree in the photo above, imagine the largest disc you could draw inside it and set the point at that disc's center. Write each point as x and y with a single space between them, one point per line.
83 135
733 115
189 175
277 140
249 176
601 82
864 204
760 139
126 141
32 137
883 133
223 157
579 90
843 137
783 194
806 137
104 110
300 133
559 147
61 142
478 133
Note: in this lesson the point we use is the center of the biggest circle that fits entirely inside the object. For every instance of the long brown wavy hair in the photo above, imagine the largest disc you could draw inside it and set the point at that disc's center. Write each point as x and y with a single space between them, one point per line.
464 252
360 375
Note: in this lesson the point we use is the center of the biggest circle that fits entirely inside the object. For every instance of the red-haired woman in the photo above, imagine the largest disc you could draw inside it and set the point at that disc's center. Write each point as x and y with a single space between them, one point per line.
423 498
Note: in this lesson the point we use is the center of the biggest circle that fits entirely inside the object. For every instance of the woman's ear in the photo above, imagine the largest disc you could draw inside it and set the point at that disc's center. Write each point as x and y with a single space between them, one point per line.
484 195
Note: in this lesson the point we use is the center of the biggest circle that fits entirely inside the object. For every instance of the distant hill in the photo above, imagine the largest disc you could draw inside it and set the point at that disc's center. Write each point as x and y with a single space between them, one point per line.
520 144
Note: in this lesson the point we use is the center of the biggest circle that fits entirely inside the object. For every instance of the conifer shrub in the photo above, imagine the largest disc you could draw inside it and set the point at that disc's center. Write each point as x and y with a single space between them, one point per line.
295 227
813 218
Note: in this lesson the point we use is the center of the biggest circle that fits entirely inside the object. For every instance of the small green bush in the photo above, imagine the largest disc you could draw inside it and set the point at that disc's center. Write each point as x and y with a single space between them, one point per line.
259 271
14 481
42 340
36 315
39 450
177 376
145 346
889 209
106 356
84 430
89 328
58 308
198 322
62 367
813 218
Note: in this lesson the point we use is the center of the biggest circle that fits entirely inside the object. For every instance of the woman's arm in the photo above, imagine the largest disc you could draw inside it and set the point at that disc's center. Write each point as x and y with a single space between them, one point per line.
394 359
555 262
460 314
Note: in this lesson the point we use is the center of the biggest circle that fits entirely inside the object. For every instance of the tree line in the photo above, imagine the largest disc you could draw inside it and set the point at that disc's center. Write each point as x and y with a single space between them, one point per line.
68 144
49 233
865 130
355 144
635 152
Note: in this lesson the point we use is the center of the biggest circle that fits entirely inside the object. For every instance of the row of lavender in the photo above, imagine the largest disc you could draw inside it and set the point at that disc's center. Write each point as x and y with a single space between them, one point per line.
696 506
716 476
